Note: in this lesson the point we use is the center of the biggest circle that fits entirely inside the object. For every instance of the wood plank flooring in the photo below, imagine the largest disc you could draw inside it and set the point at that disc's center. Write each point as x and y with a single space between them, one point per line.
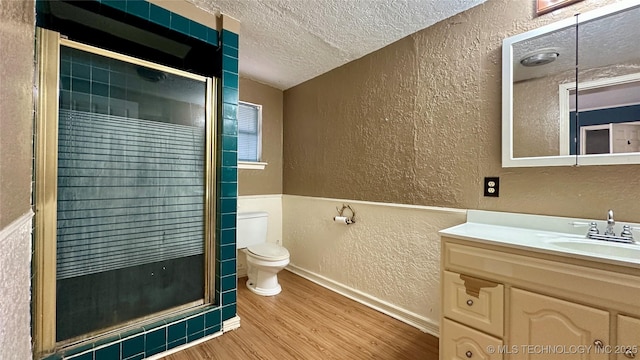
307 321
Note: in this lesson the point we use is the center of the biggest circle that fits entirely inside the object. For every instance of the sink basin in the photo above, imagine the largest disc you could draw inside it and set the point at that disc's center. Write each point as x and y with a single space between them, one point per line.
547 235
598 247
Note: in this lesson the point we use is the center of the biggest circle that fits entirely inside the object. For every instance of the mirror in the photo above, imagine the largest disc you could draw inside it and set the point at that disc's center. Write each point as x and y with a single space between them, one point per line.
548 120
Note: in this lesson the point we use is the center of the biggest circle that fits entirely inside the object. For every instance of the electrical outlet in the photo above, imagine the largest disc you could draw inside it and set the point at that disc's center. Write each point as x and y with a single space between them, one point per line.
491 186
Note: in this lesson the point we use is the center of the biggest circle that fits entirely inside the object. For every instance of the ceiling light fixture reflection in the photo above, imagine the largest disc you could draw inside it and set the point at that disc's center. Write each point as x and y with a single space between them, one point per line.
539 59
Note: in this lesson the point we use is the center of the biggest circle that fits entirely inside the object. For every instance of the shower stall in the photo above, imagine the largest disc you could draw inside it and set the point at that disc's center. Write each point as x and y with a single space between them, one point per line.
124 191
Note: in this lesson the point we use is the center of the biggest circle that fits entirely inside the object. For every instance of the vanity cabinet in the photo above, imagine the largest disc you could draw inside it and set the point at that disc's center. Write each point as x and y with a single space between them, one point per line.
499 302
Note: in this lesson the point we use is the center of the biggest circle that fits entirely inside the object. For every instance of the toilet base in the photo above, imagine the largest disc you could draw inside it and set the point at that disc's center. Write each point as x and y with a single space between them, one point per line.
263 292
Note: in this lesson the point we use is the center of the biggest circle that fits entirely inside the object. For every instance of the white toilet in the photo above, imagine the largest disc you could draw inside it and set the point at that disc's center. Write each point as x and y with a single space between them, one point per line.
264 260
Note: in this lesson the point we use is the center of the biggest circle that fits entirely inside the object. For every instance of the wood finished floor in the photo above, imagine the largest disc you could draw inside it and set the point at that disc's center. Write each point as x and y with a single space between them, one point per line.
307 321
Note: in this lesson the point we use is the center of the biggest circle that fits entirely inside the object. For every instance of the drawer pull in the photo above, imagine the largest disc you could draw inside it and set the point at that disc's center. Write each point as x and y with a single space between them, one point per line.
468 354
598 343
470 302
629 353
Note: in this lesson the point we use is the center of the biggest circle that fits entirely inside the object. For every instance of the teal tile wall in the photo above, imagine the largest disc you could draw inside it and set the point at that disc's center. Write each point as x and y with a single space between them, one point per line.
227 152
165 334
133 347
177 331
228 267
228 283
155 14
109 352
151 339
228 236
229 311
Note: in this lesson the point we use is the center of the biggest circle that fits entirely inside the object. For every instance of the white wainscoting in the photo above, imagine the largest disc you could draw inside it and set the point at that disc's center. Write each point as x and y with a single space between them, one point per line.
15 288
389 259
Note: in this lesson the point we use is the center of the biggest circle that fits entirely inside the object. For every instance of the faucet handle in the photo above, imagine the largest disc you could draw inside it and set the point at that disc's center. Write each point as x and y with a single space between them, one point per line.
593 227
626 232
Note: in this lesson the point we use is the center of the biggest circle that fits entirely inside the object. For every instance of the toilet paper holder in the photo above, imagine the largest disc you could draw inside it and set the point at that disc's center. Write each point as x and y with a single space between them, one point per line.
343 217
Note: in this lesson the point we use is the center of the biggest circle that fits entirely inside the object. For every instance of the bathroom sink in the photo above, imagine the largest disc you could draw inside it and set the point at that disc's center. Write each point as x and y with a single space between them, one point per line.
546 234
597 247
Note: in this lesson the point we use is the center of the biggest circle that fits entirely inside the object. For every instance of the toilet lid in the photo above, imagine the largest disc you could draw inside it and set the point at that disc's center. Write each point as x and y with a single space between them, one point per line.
270 251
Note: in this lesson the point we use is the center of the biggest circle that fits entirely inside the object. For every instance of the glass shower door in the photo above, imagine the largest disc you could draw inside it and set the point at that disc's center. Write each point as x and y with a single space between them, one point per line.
131 191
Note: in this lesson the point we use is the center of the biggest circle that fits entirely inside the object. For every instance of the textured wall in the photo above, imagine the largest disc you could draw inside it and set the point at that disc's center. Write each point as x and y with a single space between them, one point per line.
15 280
419 122
392 252
16 107
16 119
269 180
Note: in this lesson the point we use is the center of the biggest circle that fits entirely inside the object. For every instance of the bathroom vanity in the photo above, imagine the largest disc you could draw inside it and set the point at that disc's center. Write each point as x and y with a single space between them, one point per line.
518 286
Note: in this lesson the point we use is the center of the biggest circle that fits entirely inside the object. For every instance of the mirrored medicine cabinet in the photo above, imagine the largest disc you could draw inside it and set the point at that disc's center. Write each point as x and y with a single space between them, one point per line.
571 91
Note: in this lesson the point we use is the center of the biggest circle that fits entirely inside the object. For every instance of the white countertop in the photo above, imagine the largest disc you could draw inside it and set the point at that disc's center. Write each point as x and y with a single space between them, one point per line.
543 234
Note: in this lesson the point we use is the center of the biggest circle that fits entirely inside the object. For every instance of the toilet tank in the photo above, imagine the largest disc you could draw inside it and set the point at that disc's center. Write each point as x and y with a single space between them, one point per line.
251 229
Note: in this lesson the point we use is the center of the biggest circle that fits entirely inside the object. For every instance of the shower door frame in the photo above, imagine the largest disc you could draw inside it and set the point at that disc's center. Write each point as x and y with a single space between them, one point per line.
45 170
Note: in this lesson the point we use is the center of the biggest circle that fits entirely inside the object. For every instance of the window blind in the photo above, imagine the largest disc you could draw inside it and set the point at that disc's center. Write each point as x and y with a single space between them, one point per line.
248 132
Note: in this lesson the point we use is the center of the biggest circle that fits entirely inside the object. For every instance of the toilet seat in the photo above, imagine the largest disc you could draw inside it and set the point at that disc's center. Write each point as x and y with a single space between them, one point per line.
268 251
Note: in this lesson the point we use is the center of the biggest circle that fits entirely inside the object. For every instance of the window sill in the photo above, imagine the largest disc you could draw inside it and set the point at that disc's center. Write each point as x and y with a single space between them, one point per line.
251 165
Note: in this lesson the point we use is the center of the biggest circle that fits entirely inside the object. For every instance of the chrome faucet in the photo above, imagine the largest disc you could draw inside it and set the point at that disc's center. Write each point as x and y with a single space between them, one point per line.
626 236
610 224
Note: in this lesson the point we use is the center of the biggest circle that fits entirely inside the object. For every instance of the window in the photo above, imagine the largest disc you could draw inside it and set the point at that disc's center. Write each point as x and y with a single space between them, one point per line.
250 136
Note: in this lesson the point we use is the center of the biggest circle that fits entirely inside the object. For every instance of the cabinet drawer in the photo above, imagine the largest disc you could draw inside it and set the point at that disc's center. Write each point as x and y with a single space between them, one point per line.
478 303
628 337
463 343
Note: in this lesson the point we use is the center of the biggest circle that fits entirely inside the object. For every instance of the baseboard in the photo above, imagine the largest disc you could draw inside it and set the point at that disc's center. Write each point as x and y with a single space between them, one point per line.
185 346
408 317
231 324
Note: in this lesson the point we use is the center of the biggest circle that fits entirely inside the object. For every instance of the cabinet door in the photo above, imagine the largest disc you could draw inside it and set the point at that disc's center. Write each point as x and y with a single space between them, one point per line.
458 342
628 345
545 328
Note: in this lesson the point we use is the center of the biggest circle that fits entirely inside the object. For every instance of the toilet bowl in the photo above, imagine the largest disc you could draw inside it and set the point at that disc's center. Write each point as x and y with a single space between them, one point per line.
264 260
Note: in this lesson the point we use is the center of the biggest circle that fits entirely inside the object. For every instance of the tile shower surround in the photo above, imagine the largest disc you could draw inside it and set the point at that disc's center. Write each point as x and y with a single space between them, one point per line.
169 333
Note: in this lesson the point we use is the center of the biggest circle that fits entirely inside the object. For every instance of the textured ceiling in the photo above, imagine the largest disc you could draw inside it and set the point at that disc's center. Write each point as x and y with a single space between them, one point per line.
286 42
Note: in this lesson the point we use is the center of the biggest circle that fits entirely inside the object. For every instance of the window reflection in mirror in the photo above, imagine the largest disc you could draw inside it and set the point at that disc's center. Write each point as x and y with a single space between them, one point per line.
608 85
612 104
